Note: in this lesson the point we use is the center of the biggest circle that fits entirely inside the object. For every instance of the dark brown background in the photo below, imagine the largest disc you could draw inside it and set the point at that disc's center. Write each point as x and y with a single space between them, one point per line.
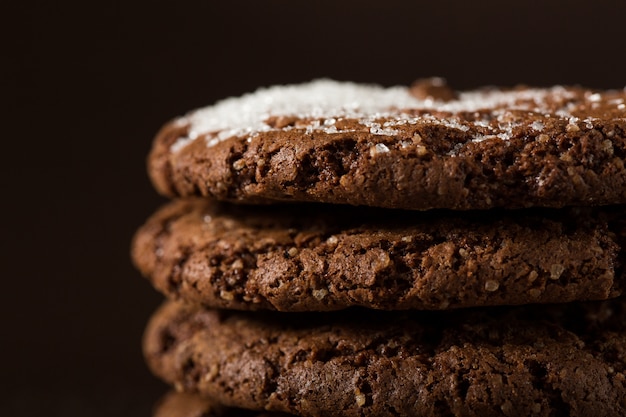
87 86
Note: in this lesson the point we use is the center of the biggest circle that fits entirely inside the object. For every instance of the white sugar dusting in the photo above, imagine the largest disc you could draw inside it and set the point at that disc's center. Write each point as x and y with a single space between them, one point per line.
589 122
321 99
537 125
377 129
595 97
379 148
322 102
480 138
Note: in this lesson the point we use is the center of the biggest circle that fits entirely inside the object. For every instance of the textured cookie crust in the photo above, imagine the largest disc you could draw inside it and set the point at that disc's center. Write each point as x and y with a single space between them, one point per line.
181 404
414 148
320 258
525 361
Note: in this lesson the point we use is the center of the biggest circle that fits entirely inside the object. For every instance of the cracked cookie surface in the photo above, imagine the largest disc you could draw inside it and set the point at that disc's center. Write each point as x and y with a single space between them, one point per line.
414 148
320 257
530 360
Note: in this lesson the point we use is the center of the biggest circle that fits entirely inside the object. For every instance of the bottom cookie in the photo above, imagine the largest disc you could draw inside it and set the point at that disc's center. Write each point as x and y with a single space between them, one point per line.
534 360
180 404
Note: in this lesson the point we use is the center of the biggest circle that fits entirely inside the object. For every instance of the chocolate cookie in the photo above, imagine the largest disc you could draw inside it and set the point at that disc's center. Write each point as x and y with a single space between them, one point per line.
524 361
414 148
319 258
181 404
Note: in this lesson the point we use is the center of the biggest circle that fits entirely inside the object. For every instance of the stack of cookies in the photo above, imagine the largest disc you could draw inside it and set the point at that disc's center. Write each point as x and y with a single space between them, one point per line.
338 249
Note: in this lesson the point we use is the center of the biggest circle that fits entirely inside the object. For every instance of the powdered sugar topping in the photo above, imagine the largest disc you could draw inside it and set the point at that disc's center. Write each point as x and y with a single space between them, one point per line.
322 103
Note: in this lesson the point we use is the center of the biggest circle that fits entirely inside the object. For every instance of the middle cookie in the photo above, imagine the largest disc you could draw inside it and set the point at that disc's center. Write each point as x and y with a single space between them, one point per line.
322 258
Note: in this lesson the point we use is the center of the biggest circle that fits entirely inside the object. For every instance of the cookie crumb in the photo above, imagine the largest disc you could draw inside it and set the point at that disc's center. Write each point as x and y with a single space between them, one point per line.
239 164
421 150
572 127
543 138
492 286
360 397
556 271
213 372
319 294
227 295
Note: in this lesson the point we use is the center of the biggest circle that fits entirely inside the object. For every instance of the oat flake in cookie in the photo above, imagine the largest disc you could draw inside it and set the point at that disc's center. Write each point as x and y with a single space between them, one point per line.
414 148
527 361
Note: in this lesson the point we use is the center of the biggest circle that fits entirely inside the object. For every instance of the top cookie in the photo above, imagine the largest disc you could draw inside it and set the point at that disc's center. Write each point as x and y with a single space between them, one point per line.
414 148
